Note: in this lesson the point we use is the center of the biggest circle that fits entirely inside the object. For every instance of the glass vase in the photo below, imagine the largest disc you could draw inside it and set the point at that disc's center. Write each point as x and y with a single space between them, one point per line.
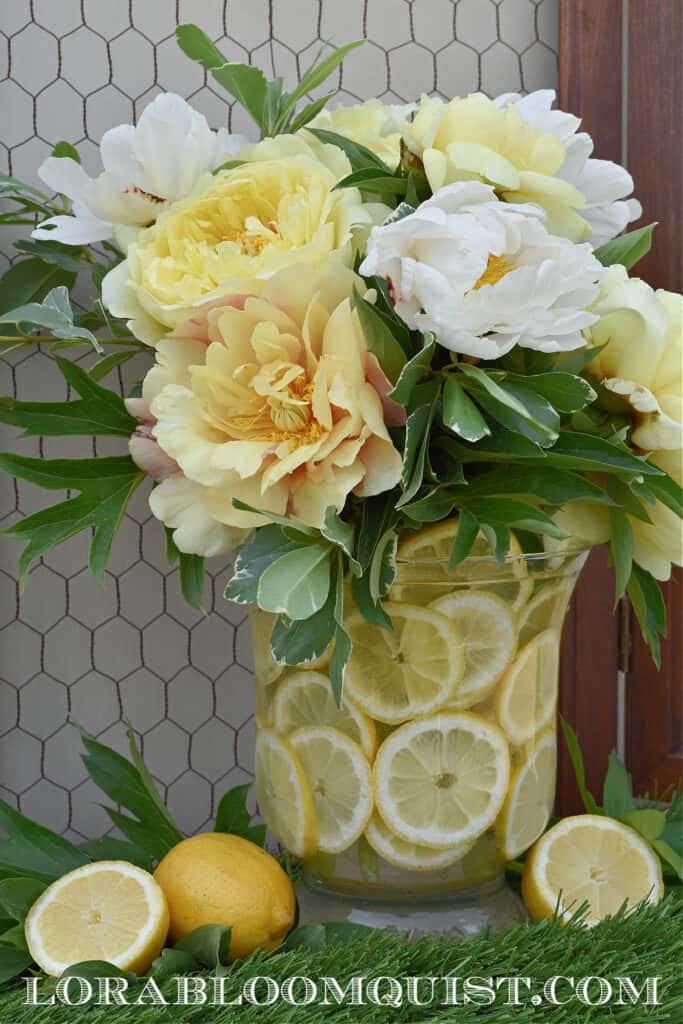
405 804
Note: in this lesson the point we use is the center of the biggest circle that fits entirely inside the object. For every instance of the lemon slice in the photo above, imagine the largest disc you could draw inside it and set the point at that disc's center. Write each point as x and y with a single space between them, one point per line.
339 777
546 609
486 627
441 780
415 669
527 697
422 572
530 799
110 910
413 856
306 698
591 858
283 794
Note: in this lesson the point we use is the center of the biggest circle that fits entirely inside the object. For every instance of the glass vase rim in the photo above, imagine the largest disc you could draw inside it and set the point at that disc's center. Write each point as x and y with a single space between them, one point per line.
526 556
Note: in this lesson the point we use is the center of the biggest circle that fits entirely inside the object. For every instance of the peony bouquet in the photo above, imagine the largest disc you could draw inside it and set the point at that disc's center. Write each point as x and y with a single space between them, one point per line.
374 319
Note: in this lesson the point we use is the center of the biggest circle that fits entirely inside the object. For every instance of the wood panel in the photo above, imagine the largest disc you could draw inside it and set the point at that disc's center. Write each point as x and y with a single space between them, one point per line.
654 701
590 58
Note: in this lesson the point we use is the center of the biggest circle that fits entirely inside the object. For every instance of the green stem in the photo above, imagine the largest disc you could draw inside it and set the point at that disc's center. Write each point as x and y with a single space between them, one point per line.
25 339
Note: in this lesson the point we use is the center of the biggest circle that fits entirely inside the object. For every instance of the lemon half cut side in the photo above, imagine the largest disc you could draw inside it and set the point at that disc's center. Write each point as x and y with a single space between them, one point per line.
109 910
590 858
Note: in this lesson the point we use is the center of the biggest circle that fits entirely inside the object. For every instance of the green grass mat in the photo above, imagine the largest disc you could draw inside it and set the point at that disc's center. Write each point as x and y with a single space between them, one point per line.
648 943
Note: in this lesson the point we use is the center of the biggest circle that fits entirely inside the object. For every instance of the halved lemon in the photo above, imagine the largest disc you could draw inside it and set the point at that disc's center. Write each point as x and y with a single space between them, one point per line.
339 777
306 698
110 910
527 697
441 780
283 794
414 670
590 858
545 610
422 572
413 856
486 627
530 799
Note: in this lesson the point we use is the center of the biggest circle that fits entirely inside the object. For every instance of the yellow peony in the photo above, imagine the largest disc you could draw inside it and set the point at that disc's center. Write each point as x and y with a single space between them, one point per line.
278 207
375 125
643 360
475 138
272 399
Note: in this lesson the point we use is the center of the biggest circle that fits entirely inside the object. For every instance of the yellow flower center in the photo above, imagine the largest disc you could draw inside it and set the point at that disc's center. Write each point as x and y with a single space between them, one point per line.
496 267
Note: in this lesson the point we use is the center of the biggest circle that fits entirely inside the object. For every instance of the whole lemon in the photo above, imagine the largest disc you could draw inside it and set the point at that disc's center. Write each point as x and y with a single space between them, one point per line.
216 878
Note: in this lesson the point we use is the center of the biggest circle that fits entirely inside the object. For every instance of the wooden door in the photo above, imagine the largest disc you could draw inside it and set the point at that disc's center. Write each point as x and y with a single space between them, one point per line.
620 72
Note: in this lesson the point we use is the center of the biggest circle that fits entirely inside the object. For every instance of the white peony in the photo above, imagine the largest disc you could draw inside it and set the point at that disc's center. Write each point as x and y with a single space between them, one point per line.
603 184
485 276
146 167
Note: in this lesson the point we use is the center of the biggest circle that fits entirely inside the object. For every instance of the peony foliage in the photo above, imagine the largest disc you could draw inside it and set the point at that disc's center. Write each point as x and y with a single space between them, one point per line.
372 319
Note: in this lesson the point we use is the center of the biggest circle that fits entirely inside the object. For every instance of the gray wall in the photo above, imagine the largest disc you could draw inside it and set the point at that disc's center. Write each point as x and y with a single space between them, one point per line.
70 69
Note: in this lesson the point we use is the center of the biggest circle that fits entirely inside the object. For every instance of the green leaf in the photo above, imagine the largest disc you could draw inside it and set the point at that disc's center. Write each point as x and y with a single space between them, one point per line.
468 530
293 525
151 828
307 113
15 936
379 339
498 537
65 149
13 962
246 83
106 486
621 549
266 545
318 73
110 848
359 156
564 391
516 408
585 451
648 604
65 256
192 578
342 641
29 281
621 494
148 782
209 945
435 505
647 821
370 608
97 412
669 492
556 486
297 584
92 970
501 446
617 793
232 816
54 313
670 856
17 896
414 371
575 362
172 963
33 850
339 533
369 179
296 642
460 414
314 937
626 249
576 757
415 450
508 512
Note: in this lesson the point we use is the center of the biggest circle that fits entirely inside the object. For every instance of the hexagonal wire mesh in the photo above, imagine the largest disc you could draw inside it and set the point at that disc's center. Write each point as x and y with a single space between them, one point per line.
133 650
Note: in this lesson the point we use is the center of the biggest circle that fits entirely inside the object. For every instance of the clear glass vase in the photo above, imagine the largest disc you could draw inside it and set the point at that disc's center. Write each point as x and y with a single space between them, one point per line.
439 768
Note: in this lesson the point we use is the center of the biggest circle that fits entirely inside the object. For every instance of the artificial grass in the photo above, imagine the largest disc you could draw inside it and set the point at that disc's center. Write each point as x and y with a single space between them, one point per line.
646 943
